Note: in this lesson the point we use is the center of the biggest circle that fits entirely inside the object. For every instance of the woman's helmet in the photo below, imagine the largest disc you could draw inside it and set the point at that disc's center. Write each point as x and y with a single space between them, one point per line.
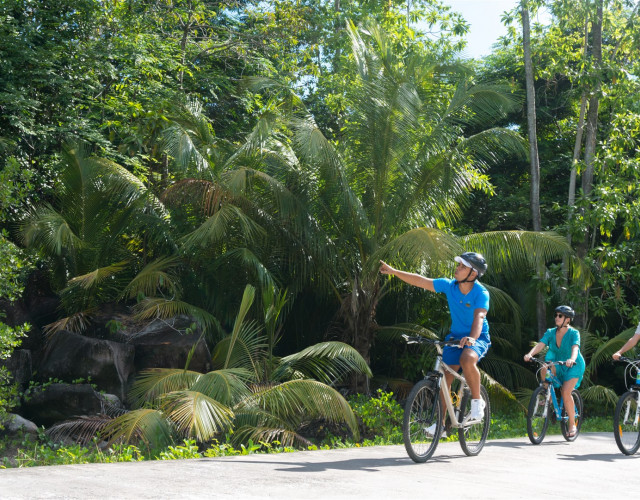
567 311
473 260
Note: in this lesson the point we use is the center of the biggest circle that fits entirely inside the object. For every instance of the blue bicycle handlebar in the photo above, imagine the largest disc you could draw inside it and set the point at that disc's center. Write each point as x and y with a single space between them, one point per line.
546 363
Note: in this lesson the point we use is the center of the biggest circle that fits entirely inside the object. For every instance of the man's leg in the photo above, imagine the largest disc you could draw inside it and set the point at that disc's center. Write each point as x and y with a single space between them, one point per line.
469 363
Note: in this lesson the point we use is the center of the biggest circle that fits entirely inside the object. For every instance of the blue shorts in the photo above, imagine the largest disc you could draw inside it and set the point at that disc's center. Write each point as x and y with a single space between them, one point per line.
451 354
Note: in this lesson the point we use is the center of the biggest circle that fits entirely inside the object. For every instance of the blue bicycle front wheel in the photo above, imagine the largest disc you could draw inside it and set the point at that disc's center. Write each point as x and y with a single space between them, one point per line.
538 414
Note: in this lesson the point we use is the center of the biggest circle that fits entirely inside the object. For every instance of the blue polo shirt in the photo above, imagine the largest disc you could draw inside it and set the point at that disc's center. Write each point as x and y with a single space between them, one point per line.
462 307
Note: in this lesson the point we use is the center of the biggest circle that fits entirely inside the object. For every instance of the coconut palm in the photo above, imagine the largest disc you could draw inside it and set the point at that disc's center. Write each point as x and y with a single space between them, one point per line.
99 233
416 140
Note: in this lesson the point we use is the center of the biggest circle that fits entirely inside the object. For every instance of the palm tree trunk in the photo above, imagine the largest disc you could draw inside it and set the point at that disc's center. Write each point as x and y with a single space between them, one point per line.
533 154
357 320
577 147
590 141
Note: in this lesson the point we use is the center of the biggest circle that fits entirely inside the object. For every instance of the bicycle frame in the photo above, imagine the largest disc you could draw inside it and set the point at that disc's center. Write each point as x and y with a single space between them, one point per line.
636 419
441 368
633 388
551 394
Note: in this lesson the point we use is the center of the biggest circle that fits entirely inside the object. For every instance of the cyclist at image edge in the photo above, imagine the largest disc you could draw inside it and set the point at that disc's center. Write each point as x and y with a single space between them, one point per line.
629 345
564 344
468 306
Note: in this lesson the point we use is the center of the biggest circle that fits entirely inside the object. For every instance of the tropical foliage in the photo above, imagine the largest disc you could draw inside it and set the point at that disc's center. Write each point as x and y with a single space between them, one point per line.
249 395
164 155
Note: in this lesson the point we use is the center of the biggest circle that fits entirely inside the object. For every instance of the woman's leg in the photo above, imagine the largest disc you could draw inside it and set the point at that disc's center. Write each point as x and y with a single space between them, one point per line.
567 388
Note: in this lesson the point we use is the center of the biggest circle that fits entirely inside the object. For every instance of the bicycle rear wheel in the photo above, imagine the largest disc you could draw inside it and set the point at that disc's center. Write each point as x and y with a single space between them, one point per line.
538 415
626 427
564 422
422 410
472 437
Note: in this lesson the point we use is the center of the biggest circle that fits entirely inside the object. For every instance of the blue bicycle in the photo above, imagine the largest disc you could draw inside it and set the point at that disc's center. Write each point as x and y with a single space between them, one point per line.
544 406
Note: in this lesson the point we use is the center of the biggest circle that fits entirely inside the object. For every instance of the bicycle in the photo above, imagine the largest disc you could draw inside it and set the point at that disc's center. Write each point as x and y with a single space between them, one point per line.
422 410
544 399
626 419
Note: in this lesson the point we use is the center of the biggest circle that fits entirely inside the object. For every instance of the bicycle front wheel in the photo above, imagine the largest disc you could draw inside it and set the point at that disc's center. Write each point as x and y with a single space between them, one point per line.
564 423
625 423
538 415
473 436
422 424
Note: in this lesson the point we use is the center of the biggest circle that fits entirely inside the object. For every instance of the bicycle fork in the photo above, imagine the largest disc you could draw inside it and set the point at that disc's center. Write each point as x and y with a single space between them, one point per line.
636 417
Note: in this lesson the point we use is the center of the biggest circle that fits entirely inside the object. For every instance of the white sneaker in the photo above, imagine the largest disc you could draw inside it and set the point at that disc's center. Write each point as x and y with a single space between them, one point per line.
477 409
432 430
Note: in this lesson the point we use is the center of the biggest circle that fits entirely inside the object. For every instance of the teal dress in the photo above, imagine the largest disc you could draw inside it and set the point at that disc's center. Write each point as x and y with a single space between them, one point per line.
563 352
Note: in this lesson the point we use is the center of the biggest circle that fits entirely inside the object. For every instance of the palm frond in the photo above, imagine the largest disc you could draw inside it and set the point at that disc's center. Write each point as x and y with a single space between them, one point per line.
328 362
510 253
600 396
154 277
225 386
77 323
81 430
511 374
245 258
499 395
246 352
196 415
156 307
97 276
217 227
247 300
417 246
482 104
503 304
189 139
603 352
297 399
494 145
285 437
145 425
152 383
45 228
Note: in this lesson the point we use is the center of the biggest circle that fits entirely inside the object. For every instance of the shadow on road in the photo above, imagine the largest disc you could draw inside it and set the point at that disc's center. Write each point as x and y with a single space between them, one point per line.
522 444
360 464
599 457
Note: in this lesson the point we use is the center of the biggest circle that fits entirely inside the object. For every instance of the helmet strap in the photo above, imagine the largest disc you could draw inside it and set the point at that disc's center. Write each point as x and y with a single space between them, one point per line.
467 280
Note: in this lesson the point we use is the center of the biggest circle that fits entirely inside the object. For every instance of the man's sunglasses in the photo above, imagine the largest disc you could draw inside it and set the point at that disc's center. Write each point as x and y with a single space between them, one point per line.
558 315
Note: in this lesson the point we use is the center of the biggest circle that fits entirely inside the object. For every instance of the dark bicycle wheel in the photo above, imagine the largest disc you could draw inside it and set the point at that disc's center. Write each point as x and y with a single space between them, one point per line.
422 424
626 428
564 422
538 414
473 436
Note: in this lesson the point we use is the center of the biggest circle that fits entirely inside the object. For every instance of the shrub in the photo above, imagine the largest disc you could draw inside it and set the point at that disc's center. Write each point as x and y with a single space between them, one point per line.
381 416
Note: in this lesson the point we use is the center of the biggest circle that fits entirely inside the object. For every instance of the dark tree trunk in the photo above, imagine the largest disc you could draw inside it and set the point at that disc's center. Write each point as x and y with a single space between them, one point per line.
590 143
536 218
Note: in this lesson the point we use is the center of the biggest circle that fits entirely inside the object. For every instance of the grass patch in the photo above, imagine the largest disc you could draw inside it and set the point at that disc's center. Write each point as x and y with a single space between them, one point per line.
380 420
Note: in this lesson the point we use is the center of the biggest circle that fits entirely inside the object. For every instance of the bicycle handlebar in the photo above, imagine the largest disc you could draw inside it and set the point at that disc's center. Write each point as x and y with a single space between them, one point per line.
423 340
628 360
546 363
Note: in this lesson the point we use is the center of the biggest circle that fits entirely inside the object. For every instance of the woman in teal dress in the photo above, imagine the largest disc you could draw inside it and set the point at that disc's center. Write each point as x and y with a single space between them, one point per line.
564 344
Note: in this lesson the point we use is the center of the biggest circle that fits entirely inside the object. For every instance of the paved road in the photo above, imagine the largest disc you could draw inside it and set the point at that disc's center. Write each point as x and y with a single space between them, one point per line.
591 467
